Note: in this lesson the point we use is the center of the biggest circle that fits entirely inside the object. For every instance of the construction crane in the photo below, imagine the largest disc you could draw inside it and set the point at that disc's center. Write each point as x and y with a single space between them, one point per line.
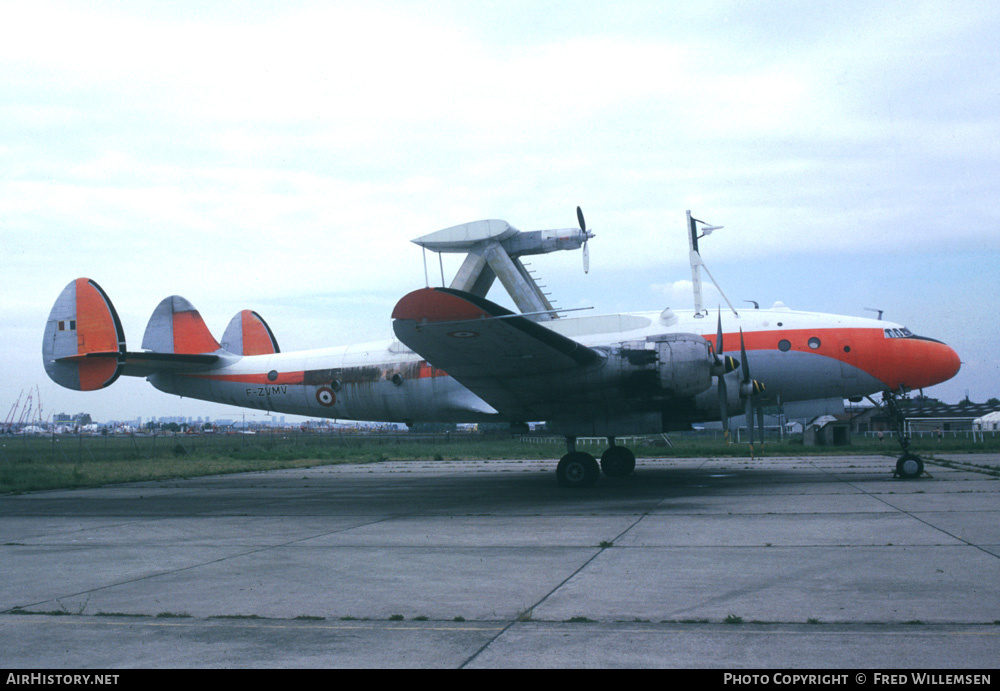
9 422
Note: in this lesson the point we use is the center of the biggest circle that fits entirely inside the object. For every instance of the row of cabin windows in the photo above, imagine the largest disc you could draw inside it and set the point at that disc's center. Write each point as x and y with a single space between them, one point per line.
784 345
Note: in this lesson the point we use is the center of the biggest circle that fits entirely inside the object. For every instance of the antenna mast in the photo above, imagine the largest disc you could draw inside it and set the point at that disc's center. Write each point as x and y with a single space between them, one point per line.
697 264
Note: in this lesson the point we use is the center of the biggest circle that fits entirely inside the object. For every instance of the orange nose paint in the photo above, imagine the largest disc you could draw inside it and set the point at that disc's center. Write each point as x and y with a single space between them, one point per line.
916 363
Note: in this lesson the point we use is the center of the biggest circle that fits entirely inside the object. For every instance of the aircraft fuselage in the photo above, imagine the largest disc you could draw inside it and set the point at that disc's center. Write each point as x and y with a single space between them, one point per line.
800 356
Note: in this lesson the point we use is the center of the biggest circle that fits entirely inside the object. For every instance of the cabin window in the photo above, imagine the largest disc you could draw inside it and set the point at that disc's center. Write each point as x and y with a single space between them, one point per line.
814 343
784 345
272 375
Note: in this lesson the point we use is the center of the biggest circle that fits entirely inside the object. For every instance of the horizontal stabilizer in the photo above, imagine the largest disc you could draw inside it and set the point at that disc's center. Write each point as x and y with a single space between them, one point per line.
84 343
144 364
249 334
177 327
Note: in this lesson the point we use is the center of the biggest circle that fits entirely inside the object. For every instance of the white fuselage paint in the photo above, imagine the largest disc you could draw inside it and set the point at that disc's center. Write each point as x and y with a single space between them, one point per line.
385 381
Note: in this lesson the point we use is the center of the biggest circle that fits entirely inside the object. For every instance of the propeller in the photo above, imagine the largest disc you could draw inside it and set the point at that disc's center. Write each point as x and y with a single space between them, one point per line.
586 236
750 389
723 366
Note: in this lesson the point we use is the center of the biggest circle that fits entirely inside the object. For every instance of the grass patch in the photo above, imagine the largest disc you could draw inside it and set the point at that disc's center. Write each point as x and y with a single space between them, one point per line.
31 463
732 619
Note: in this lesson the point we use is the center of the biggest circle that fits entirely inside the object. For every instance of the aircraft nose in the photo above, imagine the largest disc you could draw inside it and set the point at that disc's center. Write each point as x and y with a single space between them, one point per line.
944 362
923 362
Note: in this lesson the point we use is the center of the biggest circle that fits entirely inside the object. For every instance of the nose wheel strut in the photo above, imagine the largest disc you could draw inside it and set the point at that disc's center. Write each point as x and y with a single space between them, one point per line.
909 466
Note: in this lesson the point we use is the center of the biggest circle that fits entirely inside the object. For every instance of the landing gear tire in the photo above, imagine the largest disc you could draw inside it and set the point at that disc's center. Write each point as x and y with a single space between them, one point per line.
577 469
617 461
909 466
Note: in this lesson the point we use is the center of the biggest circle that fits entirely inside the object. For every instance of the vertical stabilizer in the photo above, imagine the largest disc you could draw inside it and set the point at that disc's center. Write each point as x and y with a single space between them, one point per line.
84 345
249 334
177 327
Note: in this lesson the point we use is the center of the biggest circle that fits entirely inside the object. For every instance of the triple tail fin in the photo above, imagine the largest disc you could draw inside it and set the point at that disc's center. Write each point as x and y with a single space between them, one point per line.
177 327
249 334
84 343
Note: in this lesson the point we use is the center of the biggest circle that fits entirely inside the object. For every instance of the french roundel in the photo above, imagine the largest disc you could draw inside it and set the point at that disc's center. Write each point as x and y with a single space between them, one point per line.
325 396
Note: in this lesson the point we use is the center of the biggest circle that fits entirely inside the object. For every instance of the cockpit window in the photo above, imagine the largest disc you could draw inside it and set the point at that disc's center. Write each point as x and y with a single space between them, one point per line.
898 333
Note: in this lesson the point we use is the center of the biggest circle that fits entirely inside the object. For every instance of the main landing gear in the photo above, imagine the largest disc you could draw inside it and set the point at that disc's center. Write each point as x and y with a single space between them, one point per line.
909 466
580 469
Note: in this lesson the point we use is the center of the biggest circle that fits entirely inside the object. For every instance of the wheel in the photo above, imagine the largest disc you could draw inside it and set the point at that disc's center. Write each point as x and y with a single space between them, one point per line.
909 466
577 469
617 461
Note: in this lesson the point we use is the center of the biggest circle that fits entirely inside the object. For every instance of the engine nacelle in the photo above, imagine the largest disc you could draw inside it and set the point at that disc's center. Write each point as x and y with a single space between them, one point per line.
685 363
677 365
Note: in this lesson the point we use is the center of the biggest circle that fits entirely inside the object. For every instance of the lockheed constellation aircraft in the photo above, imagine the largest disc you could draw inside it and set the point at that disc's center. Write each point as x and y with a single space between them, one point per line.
459 357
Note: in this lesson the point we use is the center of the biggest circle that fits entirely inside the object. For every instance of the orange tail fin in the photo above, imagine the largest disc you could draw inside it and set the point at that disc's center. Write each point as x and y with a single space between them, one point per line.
177 327
84 344
249 334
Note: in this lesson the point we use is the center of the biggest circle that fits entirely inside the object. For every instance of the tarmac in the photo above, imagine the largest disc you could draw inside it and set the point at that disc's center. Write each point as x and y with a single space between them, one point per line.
774 563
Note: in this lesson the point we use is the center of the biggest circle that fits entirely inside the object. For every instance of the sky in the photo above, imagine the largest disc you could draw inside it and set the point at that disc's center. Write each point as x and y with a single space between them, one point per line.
281 156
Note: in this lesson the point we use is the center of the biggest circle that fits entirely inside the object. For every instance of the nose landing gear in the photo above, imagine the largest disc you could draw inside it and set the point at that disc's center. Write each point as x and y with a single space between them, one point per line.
909 466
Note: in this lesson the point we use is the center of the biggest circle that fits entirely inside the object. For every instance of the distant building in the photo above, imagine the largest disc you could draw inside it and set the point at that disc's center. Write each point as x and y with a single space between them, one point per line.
921 416
827 430
987 423
80 419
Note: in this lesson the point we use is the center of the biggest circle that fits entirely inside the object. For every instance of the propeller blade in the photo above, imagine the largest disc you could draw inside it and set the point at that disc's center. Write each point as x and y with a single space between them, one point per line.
718 338
750 389
586 236
724 406
722 392
743 359
760 424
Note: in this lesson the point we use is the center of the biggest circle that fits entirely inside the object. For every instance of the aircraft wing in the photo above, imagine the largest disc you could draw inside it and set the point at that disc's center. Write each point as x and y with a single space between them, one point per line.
507 360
